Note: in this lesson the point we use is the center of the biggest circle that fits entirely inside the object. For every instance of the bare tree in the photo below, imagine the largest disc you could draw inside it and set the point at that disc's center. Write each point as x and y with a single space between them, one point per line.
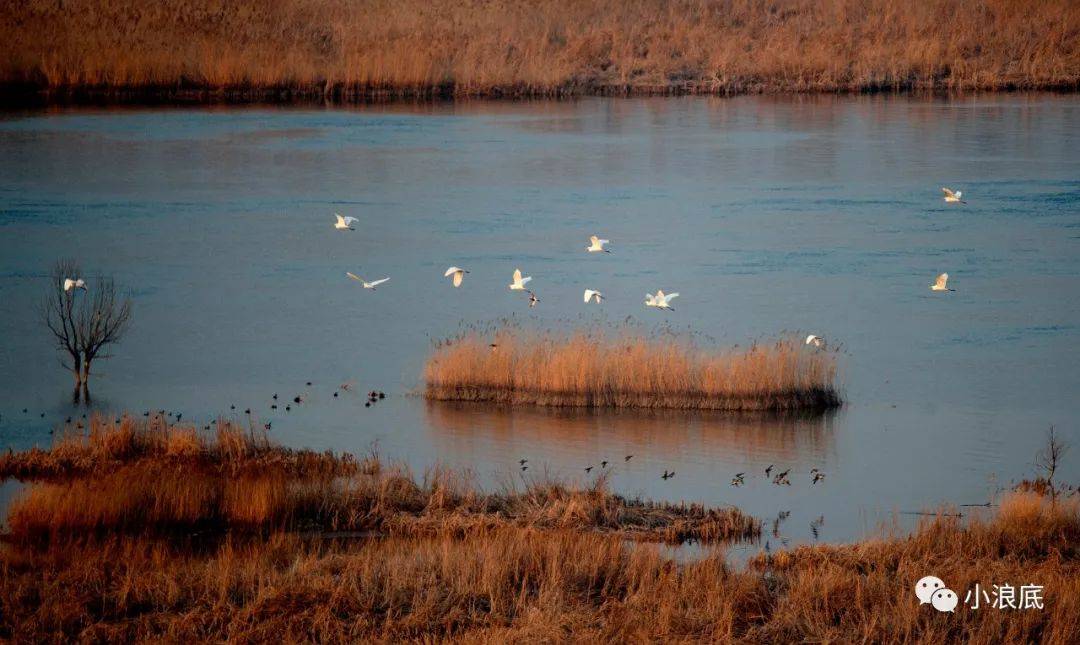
1049 457
83 321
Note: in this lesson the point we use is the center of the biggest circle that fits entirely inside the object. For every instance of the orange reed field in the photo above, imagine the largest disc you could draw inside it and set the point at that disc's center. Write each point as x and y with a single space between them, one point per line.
596 369
353 50
152 477
150 531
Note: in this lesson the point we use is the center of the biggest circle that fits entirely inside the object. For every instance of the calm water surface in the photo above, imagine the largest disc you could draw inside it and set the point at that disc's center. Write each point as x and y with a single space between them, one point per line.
816 214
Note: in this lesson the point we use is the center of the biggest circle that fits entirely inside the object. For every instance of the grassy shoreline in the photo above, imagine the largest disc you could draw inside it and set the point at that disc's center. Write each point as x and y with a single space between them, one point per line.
340 51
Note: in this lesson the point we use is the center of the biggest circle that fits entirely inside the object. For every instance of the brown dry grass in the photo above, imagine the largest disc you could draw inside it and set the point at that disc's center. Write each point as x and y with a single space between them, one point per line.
594 369
149 477
282 49
530 585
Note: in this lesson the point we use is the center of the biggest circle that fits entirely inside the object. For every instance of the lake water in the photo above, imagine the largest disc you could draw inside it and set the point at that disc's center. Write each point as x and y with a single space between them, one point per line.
819 214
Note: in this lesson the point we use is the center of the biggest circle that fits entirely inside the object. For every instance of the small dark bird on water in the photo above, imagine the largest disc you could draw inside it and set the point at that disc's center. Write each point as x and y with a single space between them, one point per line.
603 464
667 475
382 395
335 395
68 420
287 408
818 476
24 410
768 471
522 461
232 407
309 383
42 415
266 425
297 399
367 404
275 396
178 415
628 457
247 411
589 469
146 414
273 407
524 468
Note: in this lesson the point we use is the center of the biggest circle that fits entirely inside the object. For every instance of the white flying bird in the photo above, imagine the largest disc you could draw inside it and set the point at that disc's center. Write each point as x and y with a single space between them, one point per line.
941 284
458 274
660 301
591 294
367 285
77 283
344 223
951 197
597 245
816 341
519 282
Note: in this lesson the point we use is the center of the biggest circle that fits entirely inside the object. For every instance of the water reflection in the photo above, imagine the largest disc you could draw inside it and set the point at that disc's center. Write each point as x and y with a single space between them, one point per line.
462 430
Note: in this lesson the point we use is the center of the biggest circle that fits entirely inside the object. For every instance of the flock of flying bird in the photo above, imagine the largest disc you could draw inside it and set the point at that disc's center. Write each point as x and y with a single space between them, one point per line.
659 300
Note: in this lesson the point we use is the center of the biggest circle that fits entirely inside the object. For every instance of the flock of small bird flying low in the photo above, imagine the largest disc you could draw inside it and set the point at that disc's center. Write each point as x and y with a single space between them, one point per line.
659 300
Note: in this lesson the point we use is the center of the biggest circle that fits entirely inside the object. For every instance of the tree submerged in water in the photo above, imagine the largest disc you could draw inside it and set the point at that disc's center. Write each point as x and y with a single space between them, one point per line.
85 319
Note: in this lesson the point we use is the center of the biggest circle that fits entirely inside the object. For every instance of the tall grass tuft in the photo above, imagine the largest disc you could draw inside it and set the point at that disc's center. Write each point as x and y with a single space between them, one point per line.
595 369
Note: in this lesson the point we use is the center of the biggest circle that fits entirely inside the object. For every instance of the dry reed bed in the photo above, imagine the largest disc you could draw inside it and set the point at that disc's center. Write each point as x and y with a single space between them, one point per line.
594 369
284 49
529 585
131 477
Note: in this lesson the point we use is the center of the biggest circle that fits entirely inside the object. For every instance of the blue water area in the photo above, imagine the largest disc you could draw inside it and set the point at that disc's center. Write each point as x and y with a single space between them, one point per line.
768 215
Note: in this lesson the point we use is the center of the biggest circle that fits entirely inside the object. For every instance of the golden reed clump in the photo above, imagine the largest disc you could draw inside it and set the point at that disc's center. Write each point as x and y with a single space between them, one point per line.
156 478
594 369
345 50
525 584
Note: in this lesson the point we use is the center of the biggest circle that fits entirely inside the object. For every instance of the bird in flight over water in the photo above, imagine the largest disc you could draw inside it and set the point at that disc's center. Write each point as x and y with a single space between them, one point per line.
660 300
941 284
597 245
952 197
367 285
519 282
344 223
458 273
